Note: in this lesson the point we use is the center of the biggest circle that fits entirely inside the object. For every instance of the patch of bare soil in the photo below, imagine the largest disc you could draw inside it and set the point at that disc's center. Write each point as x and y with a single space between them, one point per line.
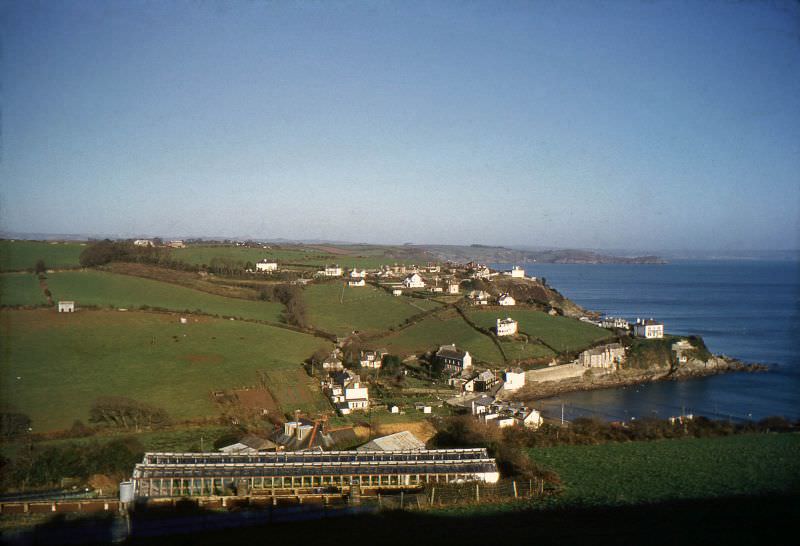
421 429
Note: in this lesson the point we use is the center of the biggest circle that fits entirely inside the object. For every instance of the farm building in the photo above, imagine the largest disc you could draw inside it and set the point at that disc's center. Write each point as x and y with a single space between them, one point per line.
66 307
266 266
249 444
172 475
399 441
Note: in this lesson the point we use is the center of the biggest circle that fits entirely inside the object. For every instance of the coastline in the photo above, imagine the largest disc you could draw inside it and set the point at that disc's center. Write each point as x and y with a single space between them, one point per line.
716 365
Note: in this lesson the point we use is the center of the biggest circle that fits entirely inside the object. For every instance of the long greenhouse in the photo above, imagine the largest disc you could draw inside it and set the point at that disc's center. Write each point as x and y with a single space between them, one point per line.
210 474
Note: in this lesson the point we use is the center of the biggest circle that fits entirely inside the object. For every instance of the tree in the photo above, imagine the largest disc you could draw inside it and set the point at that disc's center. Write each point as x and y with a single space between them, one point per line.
120 411
40 266
14 424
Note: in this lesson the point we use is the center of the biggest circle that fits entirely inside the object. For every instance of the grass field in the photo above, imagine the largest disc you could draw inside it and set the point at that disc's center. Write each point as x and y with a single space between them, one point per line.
20 289
643 472
18 255
199 255
341 309
561 333
102 289
54 365
520 350
442 329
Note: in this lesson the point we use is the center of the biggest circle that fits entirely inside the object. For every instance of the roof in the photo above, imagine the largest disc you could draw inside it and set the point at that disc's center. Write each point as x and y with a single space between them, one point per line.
451 351
399 441
257 442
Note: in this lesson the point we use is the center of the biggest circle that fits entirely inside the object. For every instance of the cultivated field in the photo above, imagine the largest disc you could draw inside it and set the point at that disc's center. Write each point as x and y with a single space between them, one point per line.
104 289
643 472
441 329
561 333
21 289
54 365
19 255
334 307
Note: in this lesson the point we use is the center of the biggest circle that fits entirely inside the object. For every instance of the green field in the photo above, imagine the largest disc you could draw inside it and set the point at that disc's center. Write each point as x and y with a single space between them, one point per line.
643 472
561 333
103 289
21 289
334 307
199 255
442 329
520 350
18 255
54 365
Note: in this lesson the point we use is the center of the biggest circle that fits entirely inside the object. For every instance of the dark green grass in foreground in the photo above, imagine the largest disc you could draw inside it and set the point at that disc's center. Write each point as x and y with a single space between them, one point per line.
103 289
17 255
54 365
643 472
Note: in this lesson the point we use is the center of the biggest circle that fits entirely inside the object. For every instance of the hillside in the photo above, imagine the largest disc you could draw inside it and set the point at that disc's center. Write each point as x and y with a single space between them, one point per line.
499 254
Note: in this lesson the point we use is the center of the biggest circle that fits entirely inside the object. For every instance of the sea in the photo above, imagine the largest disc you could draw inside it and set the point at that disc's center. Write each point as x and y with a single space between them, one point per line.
749 310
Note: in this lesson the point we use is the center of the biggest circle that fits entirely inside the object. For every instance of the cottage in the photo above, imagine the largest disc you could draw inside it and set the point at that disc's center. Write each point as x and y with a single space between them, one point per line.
482 382
515 379
266 266
649 329
454 359
682 350
371 359
413 281
607 356
356 282
482 273
66 307
333 362
506 299
506 327
479 297
453 288
356 274
394 409
615 322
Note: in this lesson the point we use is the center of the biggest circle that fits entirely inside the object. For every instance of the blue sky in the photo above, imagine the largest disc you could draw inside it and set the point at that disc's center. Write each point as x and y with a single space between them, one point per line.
642 125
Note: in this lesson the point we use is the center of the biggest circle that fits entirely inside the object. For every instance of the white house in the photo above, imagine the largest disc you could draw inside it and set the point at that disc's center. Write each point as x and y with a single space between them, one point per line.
397 292
615 322
414 281
143 242
66 307
176 244
482 273
517 272
332 271
332 362
453 288
437 289
454 359
650 329
356 282
506 299
515 379
356 396
479 297
266 266
506 327
356 274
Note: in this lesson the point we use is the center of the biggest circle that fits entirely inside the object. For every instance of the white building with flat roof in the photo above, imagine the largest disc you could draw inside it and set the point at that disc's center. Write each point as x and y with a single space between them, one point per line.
506 327
517 272
66 307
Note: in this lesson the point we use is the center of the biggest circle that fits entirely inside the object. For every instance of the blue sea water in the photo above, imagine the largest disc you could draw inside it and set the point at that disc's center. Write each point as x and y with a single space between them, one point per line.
746 309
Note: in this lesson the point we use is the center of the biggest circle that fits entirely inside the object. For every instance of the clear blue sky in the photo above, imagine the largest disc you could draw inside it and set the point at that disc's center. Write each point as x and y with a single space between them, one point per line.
643 125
